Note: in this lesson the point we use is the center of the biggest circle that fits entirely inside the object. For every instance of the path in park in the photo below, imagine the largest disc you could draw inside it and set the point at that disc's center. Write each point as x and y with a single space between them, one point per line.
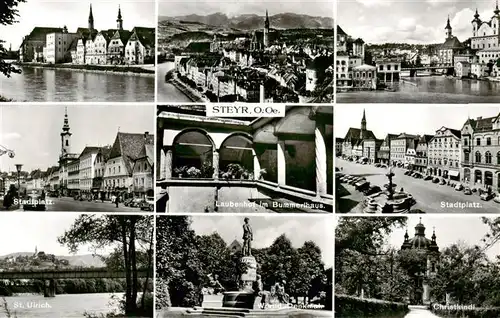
420 312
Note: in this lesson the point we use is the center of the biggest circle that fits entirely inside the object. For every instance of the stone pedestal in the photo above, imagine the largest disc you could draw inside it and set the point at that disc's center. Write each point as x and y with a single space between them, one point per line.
245 297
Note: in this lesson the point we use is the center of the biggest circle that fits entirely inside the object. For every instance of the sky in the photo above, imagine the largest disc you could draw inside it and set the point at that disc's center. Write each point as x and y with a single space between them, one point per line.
75 14
449 230
322 8
33 131
24 231
410 21
267 228
396 119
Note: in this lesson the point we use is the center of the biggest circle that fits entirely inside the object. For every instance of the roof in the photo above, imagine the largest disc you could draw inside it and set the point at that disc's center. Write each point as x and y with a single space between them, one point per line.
452 43
108 34
321 62
89 150
40 33
146 36
481 124
123 35
104 152
406 136
354 134
340 31
73 45
425 138
364 67
147 152
129 146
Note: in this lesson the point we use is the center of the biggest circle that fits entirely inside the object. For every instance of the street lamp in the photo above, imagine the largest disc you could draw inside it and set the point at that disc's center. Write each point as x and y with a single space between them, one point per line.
18 168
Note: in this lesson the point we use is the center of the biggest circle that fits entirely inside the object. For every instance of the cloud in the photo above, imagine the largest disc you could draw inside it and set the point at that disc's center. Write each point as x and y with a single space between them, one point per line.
441 2
374 3
10 136
407 24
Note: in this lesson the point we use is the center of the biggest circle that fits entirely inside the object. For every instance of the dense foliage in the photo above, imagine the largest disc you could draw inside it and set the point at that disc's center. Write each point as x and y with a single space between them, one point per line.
353 307
8 16
185 261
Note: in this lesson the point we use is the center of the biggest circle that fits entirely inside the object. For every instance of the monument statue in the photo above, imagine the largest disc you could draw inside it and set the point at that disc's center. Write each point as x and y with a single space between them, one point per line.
247 238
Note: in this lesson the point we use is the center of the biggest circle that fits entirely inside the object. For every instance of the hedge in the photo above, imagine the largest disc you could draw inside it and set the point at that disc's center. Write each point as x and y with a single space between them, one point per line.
492 312
354 307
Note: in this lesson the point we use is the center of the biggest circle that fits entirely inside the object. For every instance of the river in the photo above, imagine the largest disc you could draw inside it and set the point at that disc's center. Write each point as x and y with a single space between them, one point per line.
49 85
166 91
61 306
430 89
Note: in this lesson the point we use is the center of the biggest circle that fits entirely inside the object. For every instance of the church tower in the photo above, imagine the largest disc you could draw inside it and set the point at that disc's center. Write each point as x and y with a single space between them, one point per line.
65 135
476 23
448 29
119 20
91 19
363 126
266 31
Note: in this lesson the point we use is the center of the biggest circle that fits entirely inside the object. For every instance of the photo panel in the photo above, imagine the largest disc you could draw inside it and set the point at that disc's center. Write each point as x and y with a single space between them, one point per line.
266 266
55 51
236 158
425 159
424 52
76 267
245 51
412 266
81 158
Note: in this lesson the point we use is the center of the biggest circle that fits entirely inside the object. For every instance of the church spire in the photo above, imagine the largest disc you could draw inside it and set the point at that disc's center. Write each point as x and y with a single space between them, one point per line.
66 120
497 11
448 26
266 25
91 18
448 29
119 20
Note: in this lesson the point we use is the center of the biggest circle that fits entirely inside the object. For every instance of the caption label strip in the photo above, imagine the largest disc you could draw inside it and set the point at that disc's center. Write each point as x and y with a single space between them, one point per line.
258 110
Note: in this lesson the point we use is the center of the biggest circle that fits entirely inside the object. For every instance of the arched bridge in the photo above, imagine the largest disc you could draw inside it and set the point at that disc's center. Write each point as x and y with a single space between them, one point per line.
51 275
413 70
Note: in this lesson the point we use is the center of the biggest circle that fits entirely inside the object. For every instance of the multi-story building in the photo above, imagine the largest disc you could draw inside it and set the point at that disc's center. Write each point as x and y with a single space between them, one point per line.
34 43
140 47
142 172
118 169
73 177
384 153
486 34
99 169
58 46
371 147
444 153
338 146
101 46
422 152
481 152
399 147
353 140
388 69
86 168
66 157
364 76
450 47
116 47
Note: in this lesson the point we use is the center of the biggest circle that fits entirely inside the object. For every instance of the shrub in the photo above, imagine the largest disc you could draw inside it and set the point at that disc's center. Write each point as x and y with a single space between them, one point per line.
354 307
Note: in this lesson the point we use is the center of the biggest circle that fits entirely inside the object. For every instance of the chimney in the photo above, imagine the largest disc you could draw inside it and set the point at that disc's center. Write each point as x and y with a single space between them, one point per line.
479 118
146 135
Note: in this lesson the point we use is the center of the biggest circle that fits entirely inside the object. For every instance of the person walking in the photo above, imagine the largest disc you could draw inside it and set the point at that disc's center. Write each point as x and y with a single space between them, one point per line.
117 199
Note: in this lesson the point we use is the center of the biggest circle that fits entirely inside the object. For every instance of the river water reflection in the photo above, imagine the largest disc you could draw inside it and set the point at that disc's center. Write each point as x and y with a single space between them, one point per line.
49 85
435 89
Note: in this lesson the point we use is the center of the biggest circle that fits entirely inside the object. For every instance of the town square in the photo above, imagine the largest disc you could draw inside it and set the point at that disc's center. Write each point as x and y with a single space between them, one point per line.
439 160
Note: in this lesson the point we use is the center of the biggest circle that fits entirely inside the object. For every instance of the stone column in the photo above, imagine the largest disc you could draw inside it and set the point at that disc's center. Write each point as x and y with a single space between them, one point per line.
281 162
215 164
168 163
256 165
163 168
321 158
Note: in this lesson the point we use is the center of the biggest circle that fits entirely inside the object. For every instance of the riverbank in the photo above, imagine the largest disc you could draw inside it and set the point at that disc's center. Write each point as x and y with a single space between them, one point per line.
191 93
113 69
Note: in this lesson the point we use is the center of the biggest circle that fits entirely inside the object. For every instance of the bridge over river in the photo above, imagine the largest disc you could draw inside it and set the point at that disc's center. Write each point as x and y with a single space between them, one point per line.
51 275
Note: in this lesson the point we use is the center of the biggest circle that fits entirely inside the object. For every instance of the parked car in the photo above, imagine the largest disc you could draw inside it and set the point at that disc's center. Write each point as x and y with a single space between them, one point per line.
467 191
361 185
383 166
372 190
435 180
418 175
377 165
407 173
487 196
459 187
442 182
128 201
148 204
427 178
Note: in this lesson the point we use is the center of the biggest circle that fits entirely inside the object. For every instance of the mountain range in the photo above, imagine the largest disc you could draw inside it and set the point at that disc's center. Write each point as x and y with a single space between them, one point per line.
255 22
86 260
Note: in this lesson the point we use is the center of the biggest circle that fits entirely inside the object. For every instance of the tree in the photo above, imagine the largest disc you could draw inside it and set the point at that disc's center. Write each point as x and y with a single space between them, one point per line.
8 15
102 231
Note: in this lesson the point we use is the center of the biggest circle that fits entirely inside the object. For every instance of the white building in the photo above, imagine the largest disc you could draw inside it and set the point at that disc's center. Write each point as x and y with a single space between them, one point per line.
140 46
86 171
57 47
462 69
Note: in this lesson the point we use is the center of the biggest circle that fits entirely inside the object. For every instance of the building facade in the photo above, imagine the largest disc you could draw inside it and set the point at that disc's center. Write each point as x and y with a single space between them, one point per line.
445 153
399 147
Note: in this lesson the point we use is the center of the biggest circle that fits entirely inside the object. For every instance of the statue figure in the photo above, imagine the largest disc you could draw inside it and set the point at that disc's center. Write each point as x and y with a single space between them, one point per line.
247 238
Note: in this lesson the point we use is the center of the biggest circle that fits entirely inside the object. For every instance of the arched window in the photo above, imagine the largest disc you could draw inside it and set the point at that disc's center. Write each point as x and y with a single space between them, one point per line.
488 157
193 153
236 157
478 157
